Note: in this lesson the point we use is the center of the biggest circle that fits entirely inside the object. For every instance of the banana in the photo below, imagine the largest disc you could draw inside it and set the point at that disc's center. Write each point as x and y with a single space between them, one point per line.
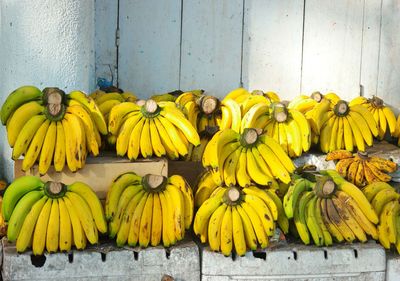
358 100
347 218
18 119
46 154
109 96
326 131
358 214
382 198
278 151
294 137
377 173
235 113
35 146
283 221
39 235
242 177
328 223
127 218
343 165
114 193
16 190
230 165
254 112
134 228
369 176
60 148
173 132
292 195
168 231
79 238
338 155
205 187
347 135
238 232
145 141
352 171
282 138
236 93
299 216
363 127
384 165
145 222
17 98
252 100
187 193
304 127
176 196
156 143
65 238
156 221
390 118
254 171
249 234
92 201
125 133
214 227
392 216
263 212
359 176
340 135
183 124
257 224
78 137
91 107
277 168
26 135
106 106
312 223
384 227
166 141
372 189
318 216
85 216
53 228
382 123
71 153
28 225
227 232
265 197
335 218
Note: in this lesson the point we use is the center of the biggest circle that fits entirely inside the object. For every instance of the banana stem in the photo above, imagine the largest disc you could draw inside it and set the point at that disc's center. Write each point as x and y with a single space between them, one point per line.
249 137
363 155
325 187
233 196
317 96
150 108
154 183
208 104
257 93
341 108
54 100
280 112
54 189
377 102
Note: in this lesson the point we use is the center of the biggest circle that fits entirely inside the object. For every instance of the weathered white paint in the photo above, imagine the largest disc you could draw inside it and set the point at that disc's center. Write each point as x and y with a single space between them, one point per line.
389 57
149 52
44 44
211 45
370 47
332 47
272 46
106 18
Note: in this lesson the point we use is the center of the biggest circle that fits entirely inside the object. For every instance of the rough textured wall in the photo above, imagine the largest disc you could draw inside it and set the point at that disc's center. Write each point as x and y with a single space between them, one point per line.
44 43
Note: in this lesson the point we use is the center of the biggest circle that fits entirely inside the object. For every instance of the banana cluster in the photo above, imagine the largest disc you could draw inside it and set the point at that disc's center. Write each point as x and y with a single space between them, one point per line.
151 128
149 210
329 209
385 201
205 187
239 219
51 215
51 127
361 169
204 113
240 159
345 126
383 115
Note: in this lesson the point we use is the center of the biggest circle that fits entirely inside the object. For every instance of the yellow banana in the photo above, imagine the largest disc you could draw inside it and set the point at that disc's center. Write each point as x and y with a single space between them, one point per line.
53 228
46 155
39 235
145 222
65 238
35 146
156 221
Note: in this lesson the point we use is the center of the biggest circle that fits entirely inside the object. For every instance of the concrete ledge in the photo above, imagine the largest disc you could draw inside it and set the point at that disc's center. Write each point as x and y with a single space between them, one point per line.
105 262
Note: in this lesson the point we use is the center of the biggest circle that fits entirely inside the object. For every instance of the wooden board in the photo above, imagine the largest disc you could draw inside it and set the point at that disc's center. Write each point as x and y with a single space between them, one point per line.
106 17
99 172
211 46
389 57
272 45
332 47
149 49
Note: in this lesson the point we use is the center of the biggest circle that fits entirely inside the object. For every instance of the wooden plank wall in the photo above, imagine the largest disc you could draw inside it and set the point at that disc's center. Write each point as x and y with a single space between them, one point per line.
350 47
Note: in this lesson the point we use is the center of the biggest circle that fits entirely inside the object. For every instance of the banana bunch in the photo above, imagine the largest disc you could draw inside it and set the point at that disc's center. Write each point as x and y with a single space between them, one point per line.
329 209
239 219
3 226
241 109
289 128
362 169
149 210
151 129
383 115
201 110
51 127
344 126
240 159
385 201
205 187
51 215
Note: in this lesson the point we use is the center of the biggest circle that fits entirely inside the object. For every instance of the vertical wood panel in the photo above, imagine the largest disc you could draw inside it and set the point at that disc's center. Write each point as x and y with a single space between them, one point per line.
211 45
106 17
332 46
272 46
370 47
149 51
389 60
